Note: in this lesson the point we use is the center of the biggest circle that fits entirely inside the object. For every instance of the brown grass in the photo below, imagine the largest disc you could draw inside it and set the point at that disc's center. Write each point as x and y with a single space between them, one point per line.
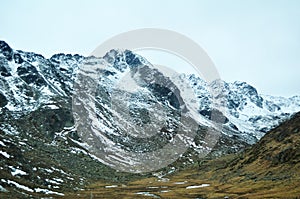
236 187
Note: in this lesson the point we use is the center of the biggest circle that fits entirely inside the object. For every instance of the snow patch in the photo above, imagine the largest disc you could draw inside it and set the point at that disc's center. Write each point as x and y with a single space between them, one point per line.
198 186
52 181
180 182
52 106
47 192
8 129
5 154
16 171
145 193
2 143
111 186
9 182
2 189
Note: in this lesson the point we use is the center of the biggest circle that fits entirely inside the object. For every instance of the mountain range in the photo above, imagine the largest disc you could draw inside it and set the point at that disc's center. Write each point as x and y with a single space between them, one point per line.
45 151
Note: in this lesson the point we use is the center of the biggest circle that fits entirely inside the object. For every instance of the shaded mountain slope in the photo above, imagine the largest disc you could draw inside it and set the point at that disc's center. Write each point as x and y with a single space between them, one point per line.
276 156
270 168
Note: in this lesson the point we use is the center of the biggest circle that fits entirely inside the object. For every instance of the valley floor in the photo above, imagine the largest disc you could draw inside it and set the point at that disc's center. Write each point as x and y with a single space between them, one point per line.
188 185
197 183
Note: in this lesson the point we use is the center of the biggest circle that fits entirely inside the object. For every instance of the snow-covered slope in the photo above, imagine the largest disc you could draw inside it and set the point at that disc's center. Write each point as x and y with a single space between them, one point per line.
29 81
247 111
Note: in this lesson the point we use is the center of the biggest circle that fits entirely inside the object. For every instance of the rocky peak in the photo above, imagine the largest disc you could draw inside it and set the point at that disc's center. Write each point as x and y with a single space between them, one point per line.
61 57
6 50
121 59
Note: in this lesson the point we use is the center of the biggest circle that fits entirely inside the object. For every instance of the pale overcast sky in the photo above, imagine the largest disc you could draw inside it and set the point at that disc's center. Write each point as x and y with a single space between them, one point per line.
253 41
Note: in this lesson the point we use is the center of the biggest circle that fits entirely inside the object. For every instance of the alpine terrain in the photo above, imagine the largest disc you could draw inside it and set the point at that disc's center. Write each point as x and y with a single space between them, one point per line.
70 121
